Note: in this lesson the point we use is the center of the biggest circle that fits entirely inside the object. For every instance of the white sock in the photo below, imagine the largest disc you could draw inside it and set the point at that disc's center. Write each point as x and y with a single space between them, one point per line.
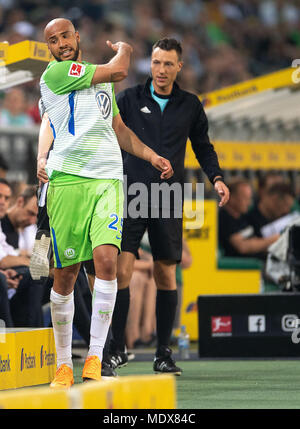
62 312
104 298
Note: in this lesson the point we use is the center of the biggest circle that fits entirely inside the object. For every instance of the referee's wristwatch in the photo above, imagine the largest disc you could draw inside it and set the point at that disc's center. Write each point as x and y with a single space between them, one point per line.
218 179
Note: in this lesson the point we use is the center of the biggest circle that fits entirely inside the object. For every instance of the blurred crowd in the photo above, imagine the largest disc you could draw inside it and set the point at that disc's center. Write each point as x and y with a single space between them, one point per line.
224 41
253 220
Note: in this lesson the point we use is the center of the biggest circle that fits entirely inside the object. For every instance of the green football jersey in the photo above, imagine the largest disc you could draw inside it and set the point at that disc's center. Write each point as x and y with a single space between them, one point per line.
81 115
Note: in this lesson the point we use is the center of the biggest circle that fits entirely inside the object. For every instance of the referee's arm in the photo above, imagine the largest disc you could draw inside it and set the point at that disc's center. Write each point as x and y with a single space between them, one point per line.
206 154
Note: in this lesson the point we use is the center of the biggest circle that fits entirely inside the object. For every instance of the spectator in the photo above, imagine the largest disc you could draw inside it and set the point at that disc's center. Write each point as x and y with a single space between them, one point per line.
276 202
141 322
7 283
13 113
17 187
21 215
186 262
236 235
25 296
267 180
3 167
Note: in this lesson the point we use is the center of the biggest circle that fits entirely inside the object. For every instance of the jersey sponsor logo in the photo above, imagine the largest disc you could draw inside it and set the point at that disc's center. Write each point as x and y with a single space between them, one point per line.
76 70
104 103
70 253
221 326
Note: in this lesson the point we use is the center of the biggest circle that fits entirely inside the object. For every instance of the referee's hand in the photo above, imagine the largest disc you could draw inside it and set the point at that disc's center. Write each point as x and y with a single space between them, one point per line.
223 192
163 165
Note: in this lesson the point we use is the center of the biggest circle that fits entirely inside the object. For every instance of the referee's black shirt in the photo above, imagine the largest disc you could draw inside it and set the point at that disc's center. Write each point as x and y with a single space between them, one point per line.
166 133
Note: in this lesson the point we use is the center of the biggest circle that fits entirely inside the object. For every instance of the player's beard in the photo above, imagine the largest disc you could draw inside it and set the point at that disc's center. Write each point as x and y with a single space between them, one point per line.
75 56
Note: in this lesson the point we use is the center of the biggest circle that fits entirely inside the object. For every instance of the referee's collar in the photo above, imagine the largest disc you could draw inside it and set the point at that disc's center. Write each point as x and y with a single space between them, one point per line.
175 89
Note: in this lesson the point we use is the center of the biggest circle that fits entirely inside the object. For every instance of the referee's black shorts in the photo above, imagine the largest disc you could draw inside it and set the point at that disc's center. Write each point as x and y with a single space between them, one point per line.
165 237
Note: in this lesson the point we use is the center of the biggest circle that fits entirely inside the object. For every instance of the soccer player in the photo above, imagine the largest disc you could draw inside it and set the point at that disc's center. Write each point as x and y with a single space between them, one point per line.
85 194
164 116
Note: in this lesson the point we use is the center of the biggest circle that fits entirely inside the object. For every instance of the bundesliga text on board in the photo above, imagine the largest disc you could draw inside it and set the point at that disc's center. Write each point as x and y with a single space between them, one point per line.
221 326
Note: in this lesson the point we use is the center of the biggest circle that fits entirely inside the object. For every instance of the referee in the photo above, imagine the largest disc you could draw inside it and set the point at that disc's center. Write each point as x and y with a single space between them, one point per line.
164 117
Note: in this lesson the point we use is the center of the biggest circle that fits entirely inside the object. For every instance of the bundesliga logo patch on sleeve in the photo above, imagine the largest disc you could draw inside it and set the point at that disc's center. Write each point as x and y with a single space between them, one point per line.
76 70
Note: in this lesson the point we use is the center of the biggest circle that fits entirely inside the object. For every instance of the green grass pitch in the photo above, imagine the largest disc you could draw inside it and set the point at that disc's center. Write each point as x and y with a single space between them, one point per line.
229 384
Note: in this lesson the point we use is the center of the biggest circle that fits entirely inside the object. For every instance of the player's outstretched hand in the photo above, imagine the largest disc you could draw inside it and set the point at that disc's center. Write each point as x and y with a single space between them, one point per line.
223 192
41 172
119 45
163 165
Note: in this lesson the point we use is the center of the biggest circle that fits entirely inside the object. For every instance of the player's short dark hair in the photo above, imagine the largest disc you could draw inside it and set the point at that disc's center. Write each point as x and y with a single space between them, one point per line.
168 44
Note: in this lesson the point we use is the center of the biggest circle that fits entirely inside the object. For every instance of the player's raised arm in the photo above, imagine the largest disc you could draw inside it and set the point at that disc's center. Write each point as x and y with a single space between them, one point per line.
117 68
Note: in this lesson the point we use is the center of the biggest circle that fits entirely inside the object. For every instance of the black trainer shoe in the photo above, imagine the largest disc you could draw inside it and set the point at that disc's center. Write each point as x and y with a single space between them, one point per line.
118 359
164 363
107 370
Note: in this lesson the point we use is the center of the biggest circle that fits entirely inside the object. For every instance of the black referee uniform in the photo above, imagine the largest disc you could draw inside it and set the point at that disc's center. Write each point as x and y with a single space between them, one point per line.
166 133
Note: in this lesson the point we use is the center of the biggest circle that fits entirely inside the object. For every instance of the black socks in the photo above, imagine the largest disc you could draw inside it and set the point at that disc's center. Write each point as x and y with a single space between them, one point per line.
119 320
166 304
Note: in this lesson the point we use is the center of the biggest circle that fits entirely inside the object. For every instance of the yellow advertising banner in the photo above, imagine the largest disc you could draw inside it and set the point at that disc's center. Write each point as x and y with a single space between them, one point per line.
7 361
27 357
27 50
35 352
252 155
130 392
253 86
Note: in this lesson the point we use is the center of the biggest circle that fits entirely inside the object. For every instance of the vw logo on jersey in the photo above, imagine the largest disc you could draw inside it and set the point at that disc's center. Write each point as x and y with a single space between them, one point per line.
104 103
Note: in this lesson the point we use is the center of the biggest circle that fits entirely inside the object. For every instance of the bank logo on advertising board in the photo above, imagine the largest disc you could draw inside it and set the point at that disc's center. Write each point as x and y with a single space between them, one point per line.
5 364
46 358
27 361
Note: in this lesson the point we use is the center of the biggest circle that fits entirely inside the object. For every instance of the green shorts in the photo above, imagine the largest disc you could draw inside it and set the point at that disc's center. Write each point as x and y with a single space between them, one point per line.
83 214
